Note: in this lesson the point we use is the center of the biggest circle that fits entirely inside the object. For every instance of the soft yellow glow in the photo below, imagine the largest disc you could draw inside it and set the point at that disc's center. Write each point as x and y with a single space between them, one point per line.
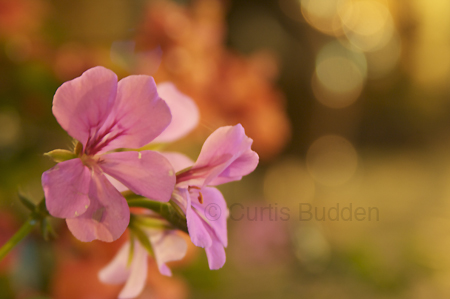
9 128
311 247
323 15
382 61
339 77
339 74
331 160
332 99
367 24
430 59
288 181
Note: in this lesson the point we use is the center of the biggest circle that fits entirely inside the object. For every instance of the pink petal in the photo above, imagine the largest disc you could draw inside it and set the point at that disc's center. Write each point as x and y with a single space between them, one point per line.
178 161
216 255
240 167
82 105
139 115
136 281
168 246
226 156
107 216
117 271
118 185
223 148
207 229
185 115
66 187
146 173
213 211
164 270
198 231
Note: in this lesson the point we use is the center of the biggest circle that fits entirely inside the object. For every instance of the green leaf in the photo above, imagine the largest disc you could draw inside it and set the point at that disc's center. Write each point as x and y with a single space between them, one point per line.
42 208
26 202
160 223
142 238
131 253
44 231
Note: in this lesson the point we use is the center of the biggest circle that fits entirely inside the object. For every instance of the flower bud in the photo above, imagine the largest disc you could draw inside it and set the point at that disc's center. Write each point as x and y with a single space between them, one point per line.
60 155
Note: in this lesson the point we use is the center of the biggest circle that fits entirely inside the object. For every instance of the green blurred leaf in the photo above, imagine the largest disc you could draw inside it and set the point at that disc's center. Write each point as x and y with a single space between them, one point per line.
143 239
131 253
26 202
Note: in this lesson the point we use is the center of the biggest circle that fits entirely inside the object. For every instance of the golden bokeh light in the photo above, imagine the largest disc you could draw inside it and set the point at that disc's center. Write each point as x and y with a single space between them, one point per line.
367 24
430 62
340 75
332 160
328 72
323 15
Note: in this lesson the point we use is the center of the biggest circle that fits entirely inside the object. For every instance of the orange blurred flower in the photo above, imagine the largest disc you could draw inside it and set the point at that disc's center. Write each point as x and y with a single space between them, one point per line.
20 17
228 88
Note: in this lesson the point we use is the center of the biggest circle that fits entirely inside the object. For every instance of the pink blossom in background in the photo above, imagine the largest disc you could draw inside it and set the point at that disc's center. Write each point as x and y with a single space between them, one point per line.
104 115
260 242
226 156
185 114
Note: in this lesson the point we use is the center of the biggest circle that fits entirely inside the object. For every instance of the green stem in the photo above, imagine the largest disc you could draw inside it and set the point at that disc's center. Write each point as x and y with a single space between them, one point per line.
166 210
26 228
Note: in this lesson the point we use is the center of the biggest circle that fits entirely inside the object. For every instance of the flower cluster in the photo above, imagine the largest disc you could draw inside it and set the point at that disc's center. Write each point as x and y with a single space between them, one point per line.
115 124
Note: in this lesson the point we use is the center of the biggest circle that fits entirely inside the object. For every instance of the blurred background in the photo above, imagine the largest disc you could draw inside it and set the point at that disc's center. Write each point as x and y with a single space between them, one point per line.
347 101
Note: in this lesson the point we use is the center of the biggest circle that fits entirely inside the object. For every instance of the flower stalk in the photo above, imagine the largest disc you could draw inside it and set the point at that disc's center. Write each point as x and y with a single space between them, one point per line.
26 228
39 215
166 210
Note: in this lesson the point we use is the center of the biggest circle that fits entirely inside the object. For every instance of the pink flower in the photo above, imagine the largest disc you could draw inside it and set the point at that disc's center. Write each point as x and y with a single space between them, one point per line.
225 156
167 246
185 117
104 115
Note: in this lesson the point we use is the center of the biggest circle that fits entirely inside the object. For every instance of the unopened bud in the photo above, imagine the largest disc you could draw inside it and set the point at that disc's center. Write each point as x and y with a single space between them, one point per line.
60 155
